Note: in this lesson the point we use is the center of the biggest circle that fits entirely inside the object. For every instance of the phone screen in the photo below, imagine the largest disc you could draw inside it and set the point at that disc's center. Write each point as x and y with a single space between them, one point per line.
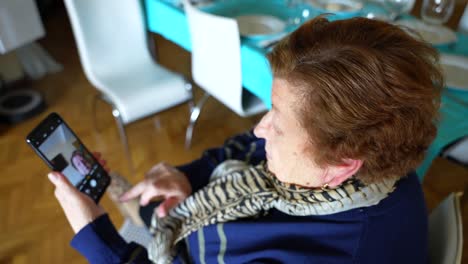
68 155
64 152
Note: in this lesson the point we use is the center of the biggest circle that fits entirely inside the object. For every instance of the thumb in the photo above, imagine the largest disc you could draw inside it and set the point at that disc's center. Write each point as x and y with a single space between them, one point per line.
59 180
164 208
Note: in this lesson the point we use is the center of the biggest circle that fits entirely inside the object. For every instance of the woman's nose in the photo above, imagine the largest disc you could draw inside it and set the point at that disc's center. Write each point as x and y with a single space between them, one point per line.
262 127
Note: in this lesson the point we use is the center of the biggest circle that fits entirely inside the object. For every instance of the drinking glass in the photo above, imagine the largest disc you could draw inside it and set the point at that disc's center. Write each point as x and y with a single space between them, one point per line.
437 12
301 12
398 7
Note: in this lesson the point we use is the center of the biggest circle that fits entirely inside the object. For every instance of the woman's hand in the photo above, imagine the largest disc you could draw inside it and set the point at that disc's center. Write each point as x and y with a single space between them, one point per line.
103 162
162 181
79 208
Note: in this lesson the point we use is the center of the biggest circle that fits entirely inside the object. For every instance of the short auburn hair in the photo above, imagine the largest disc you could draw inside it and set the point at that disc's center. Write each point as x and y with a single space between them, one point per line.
366 90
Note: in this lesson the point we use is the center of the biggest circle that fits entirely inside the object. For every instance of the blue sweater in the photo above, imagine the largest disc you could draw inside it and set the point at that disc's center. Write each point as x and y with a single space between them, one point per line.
393 231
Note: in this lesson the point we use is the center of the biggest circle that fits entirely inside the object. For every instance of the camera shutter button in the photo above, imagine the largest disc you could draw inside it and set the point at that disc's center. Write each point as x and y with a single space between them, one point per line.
93 183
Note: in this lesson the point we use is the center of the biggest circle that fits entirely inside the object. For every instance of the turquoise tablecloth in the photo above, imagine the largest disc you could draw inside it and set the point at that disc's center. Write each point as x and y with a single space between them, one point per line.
167 19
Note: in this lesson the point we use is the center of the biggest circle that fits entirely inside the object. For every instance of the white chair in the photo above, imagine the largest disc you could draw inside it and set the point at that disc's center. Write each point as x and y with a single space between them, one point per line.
457 151
463 25
216 64
445 231
112 45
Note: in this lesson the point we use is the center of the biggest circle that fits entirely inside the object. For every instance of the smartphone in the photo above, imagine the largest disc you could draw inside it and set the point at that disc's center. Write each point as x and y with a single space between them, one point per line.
63 151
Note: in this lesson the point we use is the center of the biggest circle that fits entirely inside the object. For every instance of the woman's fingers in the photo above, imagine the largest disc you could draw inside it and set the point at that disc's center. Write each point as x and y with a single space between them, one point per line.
164 208
157 170
162 181
149 191
62 185
147 195
134 192
160 191
79 209
101 161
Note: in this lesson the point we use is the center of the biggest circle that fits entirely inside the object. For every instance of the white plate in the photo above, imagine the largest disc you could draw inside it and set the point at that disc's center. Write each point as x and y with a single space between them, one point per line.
436 35
336 6
455 71
259 25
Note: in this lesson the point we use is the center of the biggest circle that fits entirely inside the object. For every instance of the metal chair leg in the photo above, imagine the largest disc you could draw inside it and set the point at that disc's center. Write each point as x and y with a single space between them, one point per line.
123 138
194 114
189 88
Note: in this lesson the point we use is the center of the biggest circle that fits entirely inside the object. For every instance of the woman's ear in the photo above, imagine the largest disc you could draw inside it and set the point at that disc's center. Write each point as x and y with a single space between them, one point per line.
337 174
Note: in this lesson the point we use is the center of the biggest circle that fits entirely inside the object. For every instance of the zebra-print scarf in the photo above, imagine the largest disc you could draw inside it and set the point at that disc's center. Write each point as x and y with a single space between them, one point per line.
238 190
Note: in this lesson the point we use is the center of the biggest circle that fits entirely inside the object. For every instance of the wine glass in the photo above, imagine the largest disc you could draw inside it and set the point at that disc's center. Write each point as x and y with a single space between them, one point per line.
398 7
437 12
301 12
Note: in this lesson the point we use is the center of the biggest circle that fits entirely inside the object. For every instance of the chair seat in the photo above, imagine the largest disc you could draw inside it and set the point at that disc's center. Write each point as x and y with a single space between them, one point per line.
446 231
142 90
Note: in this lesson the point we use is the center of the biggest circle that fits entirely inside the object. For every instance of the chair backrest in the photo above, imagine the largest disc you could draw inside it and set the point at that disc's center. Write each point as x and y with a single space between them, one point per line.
110 35
445 231
458 151
463 25
216 58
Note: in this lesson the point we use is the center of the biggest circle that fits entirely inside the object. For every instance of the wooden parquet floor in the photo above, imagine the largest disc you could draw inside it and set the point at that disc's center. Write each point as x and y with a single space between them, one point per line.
33 228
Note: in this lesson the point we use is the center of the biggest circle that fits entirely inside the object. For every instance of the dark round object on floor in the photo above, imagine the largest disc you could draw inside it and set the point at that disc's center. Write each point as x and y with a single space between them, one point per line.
19 105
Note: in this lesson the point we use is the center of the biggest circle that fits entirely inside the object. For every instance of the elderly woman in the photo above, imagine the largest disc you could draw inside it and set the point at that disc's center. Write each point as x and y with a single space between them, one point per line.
327 176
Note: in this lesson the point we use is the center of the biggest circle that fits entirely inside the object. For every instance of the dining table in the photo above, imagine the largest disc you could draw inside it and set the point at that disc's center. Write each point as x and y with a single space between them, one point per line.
167 18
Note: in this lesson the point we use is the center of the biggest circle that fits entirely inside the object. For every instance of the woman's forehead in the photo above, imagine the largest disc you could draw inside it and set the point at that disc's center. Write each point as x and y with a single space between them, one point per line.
281 96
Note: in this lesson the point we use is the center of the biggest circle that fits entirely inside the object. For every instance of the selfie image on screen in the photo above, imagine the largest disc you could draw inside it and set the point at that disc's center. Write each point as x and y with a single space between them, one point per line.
67 155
